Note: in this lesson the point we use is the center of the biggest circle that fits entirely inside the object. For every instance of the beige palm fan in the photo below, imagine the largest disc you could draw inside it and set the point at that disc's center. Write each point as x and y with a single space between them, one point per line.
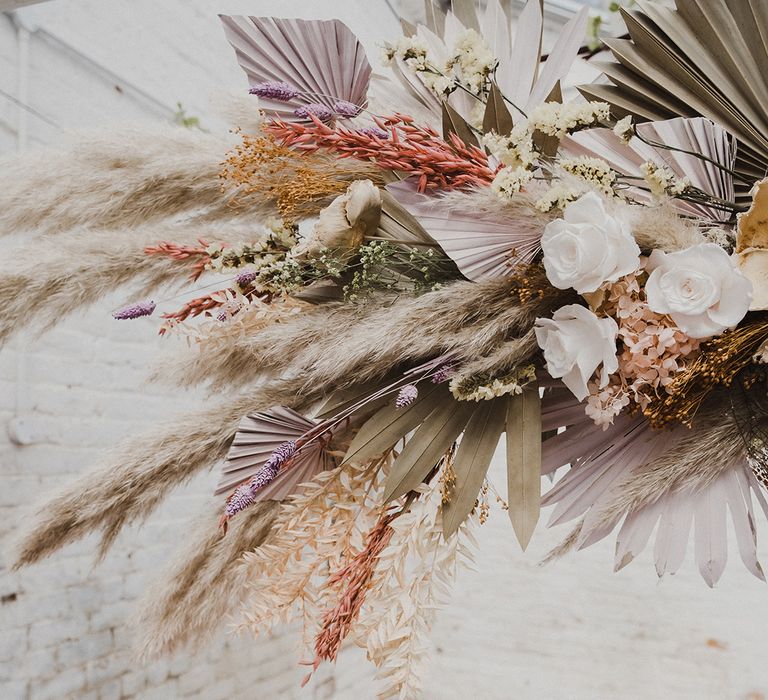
705 58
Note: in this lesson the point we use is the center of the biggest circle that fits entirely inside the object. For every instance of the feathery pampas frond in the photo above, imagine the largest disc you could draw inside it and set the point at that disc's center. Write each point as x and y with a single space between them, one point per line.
333 344
136 476
202 588
119 179
50 278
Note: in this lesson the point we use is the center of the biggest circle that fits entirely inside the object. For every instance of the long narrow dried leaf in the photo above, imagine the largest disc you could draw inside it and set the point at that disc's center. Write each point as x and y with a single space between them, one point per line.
524 462
497 117
390 424
427 445
454 123
473 458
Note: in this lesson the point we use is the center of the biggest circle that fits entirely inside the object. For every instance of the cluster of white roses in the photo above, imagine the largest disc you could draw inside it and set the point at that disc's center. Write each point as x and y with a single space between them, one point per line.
699 288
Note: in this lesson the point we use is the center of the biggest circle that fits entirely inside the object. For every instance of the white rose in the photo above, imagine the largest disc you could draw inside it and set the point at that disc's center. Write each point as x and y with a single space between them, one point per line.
700 288
575 343
588 247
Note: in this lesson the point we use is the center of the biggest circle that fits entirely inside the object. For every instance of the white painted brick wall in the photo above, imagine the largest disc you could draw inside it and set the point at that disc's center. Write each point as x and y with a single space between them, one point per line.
572 630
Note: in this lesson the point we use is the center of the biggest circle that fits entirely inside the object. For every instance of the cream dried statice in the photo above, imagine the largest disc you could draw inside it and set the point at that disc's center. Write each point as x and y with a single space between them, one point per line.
556 119
471 61
509 181
594 171
516 149
484 387
662 181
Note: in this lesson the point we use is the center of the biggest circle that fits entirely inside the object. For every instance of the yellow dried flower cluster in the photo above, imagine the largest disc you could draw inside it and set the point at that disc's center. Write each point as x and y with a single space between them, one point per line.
299 183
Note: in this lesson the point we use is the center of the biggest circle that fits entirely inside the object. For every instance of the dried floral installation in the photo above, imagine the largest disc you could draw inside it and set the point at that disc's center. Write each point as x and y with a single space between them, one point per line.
586 278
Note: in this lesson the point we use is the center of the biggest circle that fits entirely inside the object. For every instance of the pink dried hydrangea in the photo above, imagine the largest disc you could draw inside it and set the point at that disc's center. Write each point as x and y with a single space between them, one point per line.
653 351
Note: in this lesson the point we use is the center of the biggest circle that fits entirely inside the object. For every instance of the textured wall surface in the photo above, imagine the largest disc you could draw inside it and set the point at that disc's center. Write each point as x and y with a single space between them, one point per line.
571 630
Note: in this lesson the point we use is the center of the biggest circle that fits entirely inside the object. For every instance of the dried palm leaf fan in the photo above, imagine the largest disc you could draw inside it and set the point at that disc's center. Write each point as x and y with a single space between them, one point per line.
705 58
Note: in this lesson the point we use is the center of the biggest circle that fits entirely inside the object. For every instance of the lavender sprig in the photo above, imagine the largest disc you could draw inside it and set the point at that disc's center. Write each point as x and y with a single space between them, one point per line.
142 308
346 109
316 109
245 494
274 90
406 396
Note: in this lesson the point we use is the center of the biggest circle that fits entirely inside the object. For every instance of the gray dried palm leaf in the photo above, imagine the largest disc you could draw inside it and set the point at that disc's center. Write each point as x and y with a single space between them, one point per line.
137 475
195 596
118 179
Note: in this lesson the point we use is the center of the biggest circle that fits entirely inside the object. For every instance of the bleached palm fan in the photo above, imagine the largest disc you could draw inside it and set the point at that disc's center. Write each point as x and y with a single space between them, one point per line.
706 58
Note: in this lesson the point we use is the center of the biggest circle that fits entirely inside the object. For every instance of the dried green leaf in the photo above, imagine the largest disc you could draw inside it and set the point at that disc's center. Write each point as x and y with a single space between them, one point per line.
546 144
427 445
524 462
454 123
390 424
481 437
497 117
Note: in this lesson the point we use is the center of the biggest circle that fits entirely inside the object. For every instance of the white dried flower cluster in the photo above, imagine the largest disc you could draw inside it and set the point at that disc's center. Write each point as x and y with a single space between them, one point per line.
557 197
556 119
471 61
412 50
397 618
509 181
662 181
465 389
261 254
516 149
594 171
624 129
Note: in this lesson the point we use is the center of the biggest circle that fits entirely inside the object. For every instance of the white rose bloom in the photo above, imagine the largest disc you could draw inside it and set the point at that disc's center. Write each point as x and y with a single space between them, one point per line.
575 343
700 288
588 247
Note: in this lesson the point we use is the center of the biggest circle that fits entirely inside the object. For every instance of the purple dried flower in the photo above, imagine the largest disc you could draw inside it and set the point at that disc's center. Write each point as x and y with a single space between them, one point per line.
322 112
407 395
143 308
281 454
245 494
221 316
374 132
443 374
245 278
346 109
275 90
240 499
